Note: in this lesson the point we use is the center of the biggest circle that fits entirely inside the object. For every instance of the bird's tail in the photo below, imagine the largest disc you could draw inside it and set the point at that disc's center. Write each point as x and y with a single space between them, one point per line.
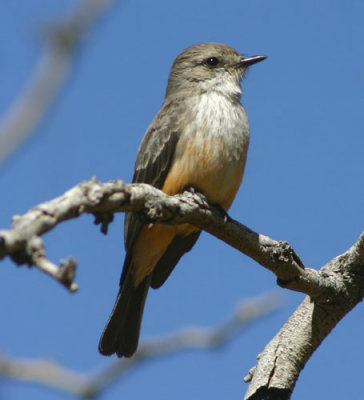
121 334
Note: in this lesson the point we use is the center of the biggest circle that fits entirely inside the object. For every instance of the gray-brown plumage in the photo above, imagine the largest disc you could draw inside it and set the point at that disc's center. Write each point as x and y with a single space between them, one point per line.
199 138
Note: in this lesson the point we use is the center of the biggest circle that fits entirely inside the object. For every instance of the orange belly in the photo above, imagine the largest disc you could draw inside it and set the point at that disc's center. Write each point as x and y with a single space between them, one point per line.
218 178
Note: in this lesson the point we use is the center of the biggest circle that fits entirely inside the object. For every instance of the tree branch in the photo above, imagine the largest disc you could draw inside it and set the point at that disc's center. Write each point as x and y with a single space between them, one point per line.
49 75
153 205
23 244
90 385
333 291
280 363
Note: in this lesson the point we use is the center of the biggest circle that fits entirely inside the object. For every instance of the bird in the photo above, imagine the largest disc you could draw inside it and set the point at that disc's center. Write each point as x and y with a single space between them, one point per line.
199 139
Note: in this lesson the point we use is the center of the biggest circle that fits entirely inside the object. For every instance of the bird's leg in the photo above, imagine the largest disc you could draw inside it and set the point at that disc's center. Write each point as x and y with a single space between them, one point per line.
203 201
221 210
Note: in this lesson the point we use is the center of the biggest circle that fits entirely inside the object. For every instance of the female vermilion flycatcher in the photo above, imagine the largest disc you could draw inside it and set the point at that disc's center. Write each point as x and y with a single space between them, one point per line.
198 139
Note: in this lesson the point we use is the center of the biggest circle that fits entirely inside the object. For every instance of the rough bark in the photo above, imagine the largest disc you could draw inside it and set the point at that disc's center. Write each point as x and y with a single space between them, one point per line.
332 291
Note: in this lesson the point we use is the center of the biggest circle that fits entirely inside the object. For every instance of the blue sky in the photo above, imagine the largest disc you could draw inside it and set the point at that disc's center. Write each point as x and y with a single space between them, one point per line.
303 184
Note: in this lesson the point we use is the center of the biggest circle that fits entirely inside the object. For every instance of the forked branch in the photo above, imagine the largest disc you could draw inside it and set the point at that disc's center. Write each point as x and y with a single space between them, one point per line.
332 291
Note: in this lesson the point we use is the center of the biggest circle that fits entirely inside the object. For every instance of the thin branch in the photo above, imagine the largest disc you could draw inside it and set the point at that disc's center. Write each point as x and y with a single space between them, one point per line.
90 385
50 73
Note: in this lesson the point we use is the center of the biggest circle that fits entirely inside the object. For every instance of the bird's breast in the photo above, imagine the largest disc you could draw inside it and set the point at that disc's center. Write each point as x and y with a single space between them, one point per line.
211 152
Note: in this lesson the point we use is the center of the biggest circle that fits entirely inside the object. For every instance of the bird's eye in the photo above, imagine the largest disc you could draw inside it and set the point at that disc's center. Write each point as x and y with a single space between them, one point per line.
212 61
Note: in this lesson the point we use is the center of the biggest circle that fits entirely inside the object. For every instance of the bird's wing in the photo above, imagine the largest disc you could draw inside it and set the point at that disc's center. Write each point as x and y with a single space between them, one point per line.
179 246
153 161
152 165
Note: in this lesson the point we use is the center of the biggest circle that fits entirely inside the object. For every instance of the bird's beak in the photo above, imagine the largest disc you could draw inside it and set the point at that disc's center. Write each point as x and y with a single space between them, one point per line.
247 61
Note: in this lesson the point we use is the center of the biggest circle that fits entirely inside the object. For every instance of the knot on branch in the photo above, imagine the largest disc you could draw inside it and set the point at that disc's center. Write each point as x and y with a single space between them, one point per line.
284 253
31 251
103 219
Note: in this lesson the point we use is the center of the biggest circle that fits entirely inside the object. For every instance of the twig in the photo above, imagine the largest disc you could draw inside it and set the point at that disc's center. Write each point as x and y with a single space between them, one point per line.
90 385
49 75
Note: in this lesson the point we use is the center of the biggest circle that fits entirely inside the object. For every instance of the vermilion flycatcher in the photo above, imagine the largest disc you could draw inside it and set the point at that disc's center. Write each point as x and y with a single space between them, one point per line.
198 139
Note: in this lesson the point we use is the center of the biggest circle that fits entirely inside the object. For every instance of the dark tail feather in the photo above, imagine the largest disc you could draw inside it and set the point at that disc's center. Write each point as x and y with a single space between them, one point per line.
121 334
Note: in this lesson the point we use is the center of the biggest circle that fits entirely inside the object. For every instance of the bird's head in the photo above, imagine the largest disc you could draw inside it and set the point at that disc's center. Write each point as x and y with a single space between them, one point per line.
209 67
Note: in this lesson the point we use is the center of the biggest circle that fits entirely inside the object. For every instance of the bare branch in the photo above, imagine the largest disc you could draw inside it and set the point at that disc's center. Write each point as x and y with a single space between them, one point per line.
333 291
281 361
23 243
90 385
49 75
155 206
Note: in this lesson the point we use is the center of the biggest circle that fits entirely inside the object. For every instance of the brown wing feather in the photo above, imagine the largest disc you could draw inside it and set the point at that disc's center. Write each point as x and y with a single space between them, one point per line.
179 246
153 161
